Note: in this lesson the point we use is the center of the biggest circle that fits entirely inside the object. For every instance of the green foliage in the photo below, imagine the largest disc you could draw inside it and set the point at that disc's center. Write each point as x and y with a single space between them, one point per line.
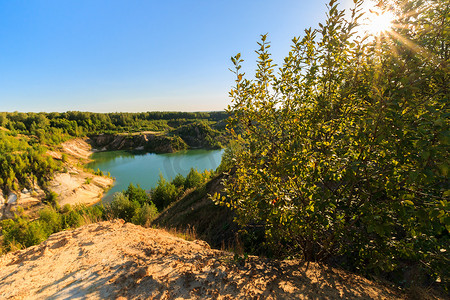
98 172
137 194
145 214
343 154
132 205
51 198
200 134
22 163
167 192
178 181
164 193
193 179
123 208
22 232
52 219
54 128
227 161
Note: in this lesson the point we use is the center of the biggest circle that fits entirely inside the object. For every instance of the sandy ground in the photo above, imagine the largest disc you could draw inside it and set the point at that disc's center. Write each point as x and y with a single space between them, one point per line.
113 260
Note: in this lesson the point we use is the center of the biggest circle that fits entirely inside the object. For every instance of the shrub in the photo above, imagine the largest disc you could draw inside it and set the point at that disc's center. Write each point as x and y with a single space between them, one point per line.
52 219
193 179
51 198
123 208
179 181
145 214
22 233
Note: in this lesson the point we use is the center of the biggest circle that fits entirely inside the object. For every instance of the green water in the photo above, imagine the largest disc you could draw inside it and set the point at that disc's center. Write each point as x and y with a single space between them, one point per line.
144 168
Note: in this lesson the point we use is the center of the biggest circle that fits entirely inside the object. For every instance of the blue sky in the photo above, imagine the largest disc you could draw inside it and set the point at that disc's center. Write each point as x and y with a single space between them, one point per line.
136 55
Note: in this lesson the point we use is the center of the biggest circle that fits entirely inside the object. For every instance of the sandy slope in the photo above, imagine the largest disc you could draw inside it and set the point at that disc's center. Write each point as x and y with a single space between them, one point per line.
110 260
78 148
73 187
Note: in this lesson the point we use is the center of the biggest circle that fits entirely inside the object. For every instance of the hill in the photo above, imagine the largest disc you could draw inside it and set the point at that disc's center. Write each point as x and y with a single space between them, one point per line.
114 259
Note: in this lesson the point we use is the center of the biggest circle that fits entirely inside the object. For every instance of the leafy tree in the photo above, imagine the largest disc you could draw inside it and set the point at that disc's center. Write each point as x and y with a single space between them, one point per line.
137 194
179 181
164 193
193 179
343 153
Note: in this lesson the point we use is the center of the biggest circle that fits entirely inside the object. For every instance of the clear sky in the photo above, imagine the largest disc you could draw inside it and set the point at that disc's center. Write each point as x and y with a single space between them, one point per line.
136 55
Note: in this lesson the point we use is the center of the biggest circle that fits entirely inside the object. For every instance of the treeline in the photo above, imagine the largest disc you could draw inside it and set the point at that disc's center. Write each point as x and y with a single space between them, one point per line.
75 123
132 205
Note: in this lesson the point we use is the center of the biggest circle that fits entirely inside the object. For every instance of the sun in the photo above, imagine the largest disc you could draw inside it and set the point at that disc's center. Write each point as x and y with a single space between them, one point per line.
379 22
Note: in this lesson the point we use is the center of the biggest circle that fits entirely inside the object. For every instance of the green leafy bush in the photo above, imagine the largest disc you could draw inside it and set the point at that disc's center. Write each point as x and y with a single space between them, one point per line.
52 219
145 214
123 208
193 179
343 154
23 233
126 206
179 181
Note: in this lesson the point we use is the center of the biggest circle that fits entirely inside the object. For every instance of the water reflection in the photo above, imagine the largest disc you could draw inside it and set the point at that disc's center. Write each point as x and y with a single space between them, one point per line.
110 156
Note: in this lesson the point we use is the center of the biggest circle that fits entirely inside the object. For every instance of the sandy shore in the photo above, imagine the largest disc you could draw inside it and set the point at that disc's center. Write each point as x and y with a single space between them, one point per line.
77 186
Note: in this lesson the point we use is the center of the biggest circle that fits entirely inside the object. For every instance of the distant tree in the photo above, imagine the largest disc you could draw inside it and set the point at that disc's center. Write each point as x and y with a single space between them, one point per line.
193 179
164 193
179 181
3 119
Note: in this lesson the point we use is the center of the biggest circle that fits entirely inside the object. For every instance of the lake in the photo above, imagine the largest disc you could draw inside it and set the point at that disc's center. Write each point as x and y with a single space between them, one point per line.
144 168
